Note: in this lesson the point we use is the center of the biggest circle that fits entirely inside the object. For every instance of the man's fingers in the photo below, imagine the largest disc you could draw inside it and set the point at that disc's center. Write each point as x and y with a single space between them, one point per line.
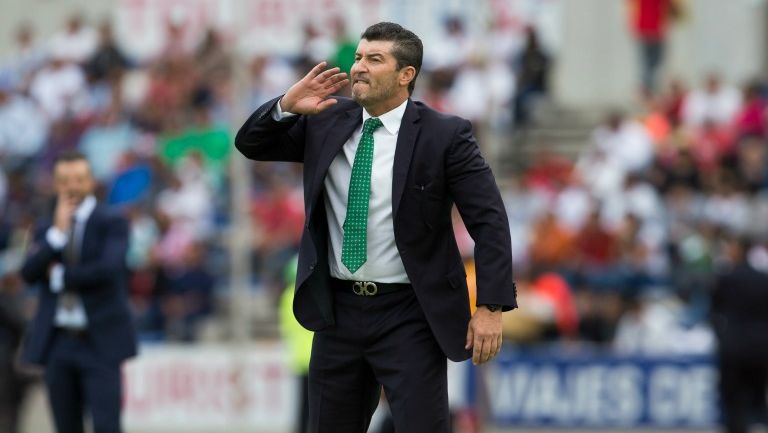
325 104
485 355
470 338
335 79
499 342
477 352
328 73
493 349
317 70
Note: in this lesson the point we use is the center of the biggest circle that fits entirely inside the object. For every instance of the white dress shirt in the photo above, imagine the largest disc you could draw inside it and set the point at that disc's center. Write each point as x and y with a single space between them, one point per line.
74 317
383 263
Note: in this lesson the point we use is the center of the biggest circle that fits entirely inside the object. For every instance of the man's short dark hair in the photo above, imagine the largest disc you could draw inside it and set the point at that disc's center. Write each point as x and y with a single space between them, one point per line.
70 156
407 49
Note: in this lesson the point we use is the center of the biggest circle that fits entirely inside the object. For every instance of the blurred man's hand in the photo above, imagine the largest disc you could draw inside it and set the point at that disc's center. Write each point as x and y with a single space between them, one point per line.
65 210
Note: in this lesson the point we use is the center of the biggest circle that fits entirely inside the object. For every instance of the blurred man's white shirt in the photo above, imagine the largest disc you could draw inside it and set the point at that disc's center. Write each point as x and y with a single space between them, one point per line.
630 145
59 91
572 206
75 47
23 127
719 107
731 210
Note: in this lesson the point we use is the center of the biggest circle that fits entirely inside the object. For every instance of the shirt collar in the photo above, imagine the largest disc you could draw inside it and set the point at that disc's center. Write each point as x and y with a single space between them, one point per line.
391 119
85 209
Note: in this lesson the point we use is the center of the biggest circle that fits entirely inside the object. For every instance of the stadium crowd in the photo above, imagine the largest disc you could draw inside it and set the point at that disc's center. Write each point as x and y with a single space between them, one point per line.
616 248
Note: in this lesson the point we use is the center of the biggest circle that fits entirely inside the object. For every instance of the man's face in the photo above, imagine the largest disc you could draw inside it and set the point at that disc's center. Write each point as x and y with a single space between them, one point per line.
73 181
374 74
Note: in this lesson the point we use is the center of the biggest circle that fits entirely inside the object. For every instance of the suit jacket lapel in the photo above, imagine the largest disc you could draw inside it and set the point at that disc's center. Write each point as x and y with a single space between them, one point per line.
338 134
406 141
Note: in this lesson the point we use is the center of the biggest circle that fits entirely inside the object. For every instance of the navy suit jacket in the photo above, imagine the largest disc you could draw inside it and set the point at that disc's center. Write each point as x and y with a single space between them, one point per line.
437 163
99 278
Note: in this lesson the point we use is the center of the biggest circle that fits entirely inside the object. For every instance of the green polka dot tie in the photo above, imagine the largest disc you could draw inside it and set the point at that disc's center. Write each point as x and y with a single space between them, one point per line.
354 245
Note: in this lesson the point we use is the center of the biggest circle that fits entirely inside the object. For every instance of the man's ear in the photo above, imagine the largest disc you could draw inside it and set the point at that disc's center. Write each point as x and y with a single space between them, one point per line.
407 74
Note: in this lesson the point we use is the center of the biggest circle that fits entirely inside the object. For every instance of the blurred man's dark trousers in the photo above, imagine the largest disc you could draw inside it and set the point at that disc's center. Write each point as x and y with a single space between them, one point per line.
743 388
78 380
381 339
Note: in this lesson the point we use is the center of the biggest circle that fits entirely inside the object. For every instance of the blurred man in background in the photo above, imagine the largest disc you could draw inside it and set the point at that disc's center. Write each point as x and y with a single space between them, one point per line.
13 384
738 311
82 331
380 278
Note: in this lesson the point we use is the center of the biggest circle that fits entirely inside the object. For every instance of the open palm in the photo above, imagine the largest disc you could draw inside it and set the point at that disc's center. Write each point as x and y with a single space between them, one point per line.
310 94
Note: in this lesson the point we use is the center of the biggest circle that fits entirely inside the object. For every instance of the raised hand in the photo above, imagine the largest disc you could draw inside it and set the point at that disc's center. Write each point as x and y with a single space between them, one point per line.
65 209
310 94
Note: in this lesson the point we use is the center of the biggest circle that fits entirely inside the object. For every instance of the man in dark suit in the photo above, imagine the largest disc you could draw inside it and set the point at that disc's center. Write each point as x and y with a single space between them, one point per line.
739 303
380 278
82 331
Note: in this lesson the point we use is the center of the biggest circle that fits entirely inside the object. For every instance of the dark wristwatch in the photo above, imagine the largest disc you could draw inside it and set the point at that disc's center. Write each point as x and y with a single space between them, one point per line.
492 307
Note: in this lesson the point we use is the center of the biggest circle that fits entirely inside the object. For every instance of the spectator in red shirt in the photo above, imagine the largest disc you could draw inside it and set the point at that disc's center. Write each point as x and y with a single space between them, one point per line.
649 20
750 120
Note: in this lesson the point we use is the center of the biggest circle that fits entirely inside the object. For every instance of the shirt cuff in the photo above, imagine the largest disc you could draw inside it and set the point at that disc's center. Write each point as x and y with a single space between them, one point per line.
56 279
278 113
56 238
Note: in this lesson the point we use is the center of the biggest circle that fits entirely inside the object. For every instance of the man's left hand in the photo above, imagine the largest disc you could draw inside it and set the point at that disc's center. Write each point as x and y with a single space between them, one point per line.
484 335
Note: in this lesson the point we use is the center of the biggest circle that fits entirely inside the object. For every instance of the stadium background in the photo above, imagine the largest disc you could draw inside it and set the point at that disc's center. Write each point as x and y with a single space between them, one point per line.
600 216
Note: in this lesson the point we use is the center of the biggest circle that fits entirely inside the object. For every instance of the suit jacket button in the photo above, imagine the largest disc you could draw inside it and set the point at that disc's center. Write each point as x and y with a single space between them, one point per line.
312 267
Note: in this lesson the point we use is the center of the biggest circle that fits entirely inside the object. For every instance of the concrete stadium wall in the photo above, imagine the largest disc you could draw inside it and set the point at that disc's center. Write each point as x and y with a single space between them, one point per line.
598 63
46 16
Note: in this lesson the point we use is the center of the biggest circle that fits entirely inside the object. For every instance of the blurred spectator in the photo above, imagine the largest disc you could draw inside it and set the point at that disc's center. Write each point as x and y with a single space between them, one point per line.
212 59
60 88
596 247
188 202
278 221
344 55
186 294
626 141
269 77
470 94
23 128
553 288
751 118
649 20
532 71
651 326
105 142
452 49
709 145
318 47
717 103
77 42
108 61
727 205
299 343
552 243
25 57
752 163
13 385
573 204
738 315
534 320
673 101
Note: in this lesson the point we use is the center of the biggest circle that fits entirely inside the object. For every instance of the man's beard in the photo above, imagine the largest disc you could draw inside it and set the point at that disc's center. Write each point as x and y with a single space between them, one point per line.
372 96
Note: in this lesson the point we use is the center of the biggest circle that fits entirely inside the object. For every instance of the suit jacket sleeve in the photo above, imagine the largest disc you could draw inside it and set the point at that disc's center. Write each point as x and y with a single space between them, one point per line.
111 262
265 139
42 256
473 189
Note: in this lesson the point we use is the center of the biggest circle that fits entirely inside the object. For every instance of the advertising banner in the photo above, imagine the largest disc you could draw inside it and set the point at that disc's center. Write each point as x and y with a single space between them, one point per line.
602 391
